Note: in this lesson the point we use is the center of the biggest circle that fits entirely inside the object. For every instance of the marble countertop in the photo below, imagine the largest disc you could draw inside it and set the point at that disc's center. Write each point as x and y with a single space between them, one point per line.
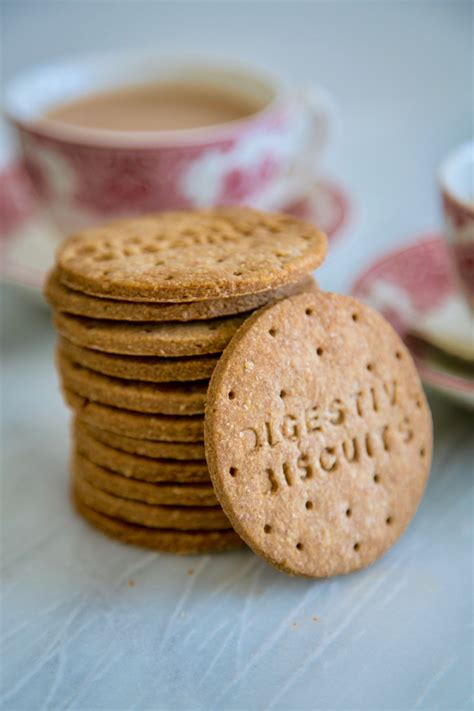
89 624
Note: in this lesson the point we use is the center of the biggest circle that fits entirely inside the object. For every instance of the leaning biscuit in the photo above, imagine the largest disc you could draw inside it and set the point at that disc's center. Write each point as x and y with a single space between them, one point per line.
159 539
191 255
161 398
62 298
318 434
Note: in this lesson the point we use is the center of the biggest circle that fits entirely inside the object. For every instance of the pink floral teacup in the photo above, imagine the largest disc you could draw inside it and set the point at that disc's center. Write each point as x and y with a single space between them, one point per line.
86 175
457 190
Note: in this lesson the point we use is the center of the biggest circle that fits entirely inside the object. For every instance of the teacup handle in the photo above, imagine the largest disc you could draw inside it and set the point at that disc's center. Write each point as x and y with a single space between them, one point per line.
320 109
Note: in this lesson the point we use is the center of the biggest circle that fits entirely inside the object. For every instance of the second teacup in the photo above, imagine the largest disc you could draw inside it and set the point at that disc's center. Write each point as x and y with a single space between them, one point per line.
457 191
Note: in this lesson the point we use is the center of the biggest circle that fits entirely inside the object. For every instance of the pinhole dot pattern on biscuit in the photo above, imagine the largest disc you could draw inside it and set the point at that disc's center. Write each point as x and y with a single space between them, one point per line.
329 432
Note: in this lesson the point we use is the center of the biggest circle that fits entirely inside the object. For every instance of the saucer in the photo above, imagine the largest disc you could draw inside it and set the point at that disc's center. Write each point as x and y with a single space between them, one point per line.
415 289
29 240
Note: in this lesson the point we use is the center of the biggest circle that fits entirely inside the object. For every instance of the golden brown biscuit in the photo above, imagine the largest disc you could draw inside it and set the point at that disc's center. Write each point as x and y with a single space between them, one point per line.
150 493
191 255
145 447
167 339
159 539
62 298
137 466
162 398
318 434
147 368
184 518
163 428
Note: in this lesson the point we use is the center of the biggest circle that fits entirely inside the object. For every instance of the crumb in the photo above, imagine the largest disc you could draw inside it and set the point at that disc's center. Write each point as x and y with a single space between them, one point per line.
131 583
295 624
315 619
190 571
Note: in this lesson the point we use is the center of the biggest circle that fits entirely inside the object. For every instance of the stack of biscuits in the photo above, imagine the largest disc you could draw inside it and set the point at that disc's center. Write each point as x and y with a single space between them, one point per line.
144 308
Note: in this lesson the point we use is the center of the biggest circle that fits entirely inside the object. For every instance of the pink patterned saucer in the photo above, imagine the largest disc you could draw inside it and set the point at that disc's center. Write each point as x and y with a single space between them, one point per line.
416 290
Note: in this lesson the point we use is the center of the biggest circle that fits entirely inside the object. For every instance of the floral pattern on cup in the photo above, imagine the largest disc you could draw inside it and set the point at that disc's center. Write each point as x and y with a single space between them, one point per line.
457 192
82 184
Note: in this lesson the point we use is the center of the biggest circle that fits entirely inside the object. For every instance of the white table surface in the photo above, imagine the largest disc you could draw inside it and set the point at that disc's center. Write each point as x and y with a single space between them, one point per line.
227 631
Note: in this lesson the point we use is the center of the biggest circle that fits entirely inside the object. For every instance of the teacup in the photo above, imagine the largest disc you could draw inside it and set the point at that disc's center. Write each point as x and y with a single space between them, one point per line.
89 175
457 192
